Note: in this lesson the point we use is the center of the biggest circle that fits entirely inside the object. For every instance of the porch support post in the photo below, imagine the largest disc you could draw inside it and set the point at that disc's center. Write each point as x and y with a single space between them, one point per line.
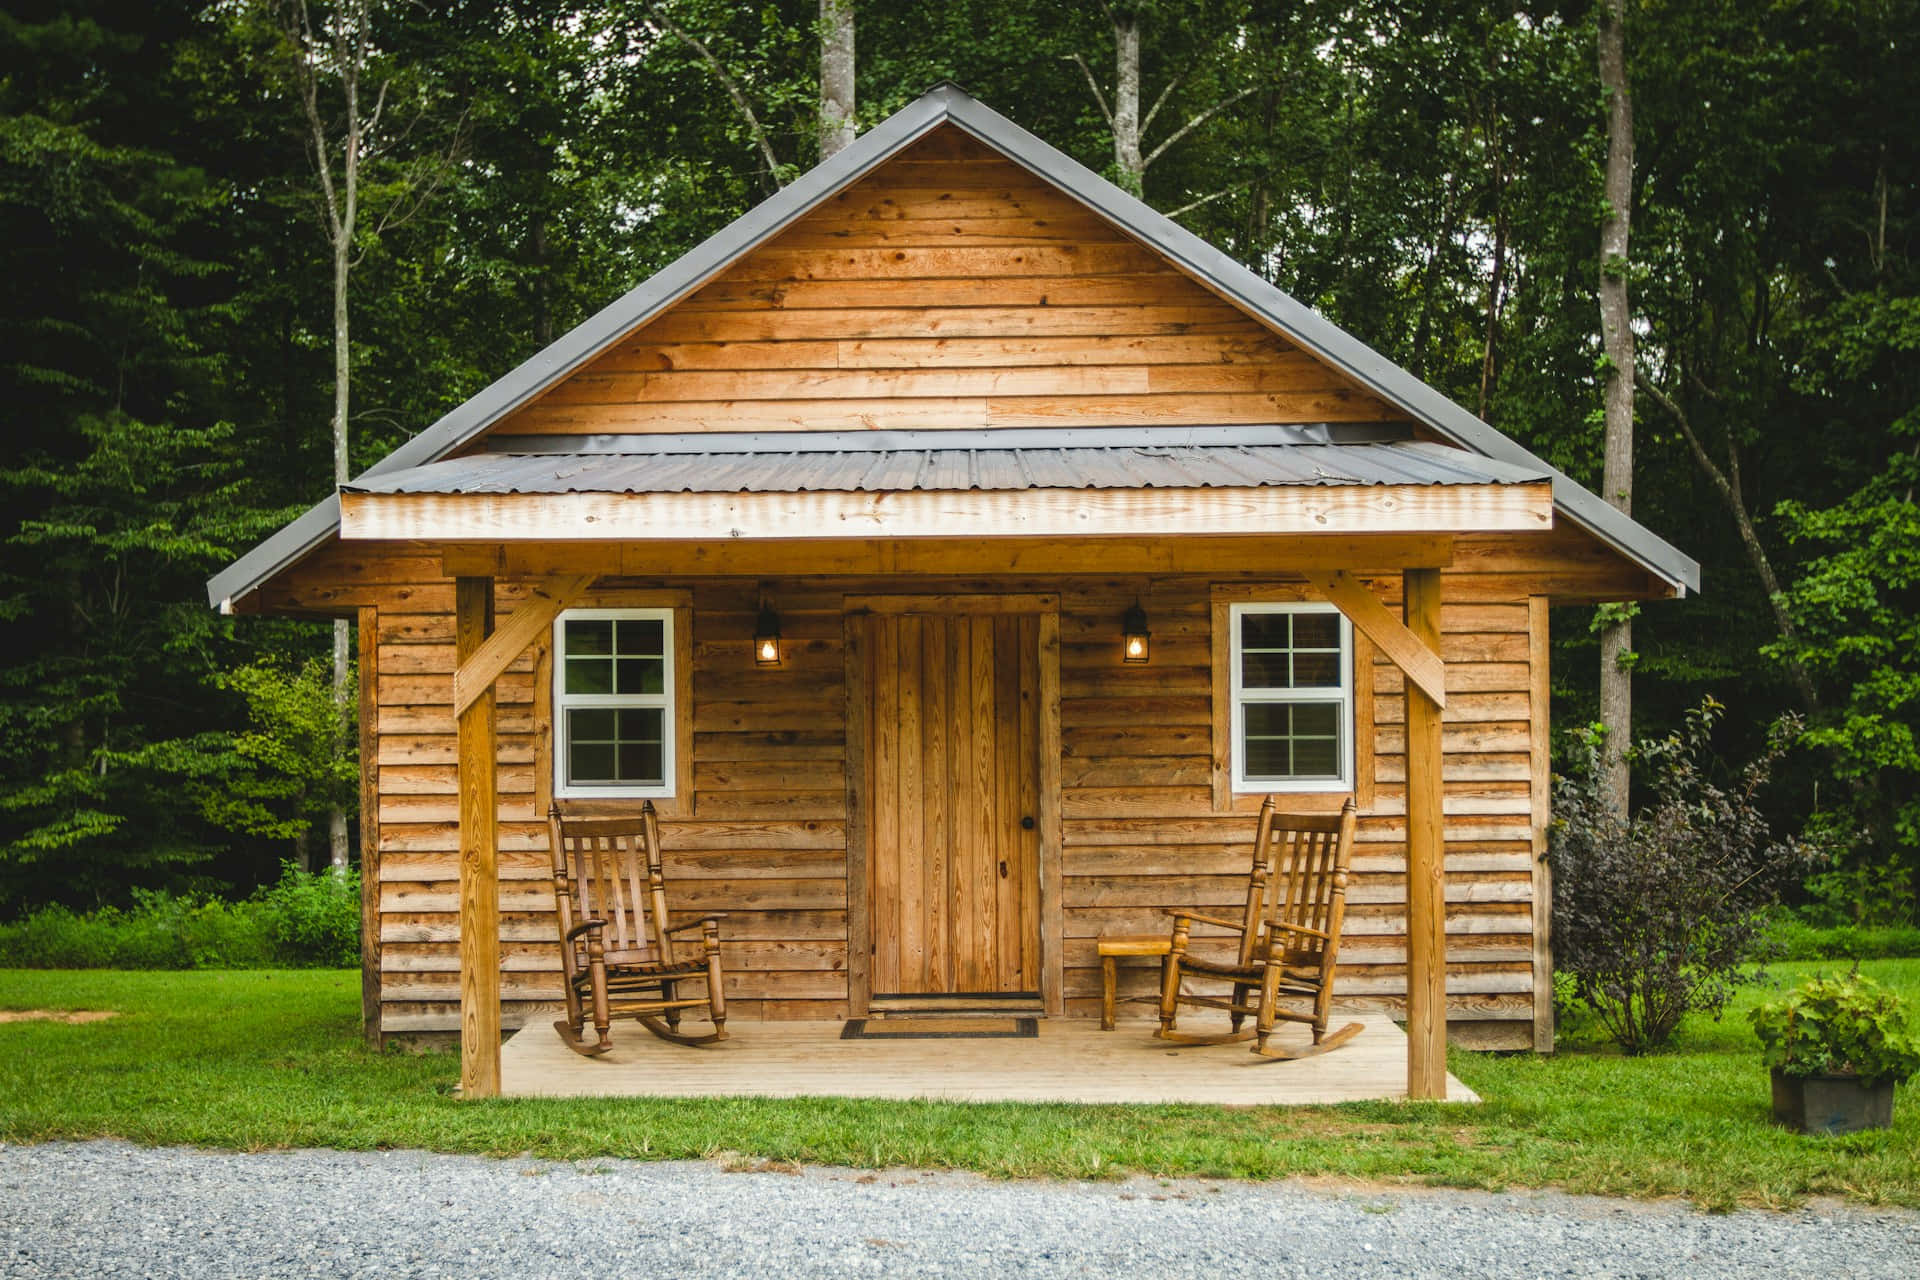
1426 864
479 854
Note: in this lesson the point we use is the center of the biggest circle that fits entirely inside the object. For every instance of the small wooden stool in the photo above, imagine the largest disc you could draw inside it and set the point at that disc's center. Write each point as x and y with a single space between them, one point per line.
1124 944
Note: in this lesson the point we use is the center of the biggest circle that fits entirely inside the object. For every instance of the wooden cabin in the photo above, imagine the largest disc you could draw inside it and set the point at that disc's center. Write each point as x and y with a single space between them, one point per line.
945 428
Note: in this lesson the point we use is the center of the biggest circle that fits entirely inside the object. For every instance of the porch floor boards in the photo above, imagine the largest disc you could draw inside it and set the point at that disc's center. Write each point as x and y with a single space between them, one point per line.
1071 1060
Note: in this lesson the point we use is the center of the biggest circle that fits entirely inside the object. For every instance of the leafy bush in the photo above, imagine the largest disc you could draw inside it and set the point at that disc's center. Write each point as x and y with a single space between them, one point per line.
160 931
314 918
305 921
1849 1026
1653 916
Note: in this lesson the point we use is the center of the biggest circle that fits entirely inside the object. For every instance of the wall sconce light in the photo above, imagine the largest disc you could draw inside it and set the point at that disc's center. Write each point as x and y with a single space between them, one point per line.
766 638
1138 644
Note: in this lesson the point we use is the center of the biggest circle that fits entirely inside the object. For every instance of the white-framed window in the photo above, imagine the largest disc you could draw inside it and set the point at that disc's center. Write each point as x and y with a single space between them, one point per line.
1292 692
613 703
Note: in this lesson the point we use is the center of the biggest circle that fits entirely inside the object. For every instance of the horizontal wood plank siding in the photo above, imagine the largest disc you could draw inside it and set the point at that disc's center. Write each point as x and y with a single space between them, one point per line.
951 289
765 836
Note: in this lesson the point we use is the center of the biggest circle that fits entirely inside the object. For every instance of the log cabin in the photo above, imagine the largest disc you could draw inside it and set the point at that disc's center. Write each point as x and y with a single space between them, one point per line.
955 551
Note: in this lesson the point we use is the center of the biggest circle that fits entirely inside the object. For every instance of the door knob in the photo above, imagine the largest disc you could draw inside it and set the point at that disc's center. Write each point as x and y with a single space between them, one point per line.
1026 824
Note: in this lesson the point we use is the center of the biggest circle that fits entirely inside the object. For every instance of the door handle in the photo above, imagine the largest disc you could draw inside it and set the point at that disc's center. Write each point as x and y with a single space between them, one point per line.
1026 824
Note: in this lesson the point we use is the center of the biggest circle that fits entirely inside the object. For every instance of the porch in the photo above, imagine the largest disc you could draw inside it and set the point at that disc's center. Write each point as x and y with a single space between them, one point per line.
1069 1060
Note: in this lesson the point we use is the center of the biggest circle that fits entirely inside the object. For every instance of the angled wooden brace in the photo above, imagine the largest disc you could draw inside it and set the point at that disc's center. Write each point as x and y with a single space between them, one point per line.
535 614
1421 664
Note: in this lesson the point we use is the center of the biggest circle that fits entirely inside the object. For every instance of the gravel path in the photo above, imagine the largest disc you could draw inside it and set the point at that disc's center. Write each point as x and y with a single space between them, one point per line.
108 1209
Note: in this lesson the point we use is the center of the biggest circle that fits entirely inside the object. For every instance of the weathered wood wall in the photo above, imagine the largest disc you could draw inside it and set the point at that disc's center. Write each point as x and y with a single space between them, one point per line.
950 289
765 835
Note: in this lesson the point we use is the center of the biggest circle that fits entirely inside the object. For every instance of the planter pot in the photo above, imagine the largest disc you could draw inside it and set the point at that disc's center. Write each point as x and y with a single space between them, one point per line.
1830 1104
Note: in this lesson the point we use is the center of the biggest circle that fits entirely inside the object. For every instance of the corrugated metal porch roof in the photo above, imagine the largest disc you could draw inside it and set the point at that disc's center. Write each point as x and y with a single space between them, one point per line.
1212 466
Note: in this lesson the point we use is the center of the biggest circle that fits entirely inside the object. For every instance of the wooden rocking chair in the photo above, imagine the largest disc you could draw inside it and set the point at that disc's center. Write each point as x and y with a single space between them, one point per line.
1289 936
615 943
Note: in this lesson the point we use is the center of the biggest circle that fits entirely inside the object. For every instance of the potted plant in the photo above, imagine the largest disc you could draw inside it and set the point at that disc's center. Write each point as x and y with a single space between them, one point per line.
1837 1047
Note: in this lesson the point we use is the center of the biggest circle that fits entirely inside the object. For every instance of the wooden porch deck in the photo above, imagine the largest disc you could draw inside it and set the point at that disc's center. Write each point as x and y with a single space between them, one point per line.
1071 1060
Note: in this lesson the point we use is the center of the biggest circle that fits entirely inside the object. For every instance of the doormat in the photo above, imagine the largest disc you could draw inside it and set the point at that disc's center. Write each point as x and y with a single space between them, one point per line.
940 1029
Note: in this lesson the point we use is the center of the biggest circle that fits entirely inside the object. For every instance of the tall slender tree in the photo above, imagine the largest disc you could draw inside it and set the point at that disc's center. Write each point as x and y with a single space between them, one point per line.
1616 336
837 126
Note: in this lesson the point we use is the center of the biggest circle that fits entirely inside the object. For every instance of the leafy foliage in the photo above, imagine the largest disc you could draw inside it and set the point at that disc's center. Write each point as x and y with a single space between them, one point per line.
1654 915
305 921
1849 1026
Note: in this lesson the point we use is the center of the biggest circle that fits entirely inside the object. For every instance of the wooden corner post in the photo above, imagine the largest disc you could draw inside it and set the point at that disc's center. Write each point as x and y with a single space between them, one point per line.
479 855
1426 859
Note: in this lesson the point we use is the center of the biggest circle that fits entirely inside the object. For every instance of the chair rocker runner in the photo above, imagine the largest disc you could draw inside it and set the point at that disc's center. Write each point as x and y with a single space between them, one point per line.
615 943
1289 937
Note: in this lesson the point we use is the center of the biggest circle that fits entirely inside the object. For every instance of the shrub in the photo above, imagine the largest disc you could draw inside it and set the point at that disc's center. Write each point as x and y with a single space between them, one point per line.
1849 1026
304 921
313 918
1654 915
160 931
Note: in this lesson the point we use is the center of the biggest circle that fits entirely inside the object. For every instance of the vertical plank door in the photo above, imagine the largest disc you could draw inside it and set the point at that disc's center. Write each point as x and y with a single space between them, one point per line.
952 778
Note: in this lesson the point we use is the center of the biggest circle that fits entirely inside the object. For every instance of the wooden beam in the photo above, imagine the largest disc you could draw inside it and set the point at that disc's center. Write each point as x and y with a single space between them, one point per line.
862 557
1420 661
966 513
1426 861
1540 761
536 613
479 855
1052 912
368 634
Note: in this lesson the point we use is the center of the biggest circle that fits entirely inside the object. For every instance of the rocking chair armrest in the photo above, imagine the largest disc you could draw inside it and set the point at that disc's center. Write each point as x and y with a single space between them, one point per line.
579 929
685 925
1321 934
1234 925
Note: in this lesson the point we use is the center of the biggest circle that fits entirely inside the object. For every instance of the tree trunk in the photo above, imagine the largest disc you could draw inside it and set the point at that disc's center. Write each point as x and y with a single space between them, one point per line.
1126 101
836 76
1616 335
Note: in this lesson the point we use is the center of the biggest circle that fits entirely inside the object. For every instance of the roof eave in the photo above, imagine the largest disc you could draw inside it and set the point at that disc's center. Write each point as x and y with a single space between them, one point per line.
946 104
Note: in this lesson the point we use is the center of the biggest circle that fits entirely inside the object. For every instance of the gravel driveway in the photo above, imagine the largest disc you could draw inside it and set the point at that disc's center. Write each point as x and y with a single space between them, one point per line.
108 1209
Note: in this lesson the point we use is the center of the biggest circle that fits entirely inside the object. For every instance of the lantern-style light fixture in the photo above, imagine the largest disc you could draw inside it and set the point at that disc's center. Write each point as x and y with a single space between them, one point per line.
766 637
1137 645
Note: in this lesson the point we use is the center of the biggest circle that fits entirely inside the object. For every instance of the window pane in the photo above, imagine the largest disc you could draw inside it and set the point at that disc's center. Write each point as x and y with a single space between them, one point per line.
641 638
1263 630
1316 670
589 675
641 762
1316 719
1316 631
1264 671
590 762
585 725
1285 740
641 724
1316 758
642 675
589 636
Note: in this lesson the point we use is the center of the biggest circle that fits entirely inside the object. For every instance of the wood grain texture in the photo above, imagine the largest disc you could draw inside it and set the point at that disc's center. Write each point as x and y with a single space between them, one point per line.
1540 778
479 986
1426 882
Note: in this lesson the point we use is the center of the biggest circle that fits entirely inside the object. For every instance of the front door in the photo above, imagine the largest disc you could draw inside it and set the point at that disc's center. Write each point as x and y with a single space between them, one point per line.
952 776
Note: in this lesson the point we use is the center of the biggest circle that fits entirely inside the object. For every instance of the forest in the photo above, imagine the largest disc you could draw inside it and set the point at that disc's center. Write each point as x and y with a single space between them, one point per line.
227 229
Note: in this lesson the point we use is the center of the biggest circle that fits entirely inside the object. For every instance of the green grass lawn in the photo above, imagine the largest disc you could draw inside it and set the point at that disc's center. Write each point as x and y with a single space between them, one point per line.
249 1060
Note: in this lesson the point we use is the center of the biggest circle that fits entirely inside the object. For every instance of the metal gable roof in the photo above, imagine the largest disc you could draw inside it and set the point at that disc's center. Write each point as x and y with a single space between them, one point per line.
948 104
1137 466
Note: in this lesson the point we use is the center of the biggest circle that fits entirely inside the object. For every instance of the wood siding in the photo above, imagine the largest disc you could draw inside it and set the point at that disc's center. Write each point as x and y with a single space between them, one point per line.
950 289
765 835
